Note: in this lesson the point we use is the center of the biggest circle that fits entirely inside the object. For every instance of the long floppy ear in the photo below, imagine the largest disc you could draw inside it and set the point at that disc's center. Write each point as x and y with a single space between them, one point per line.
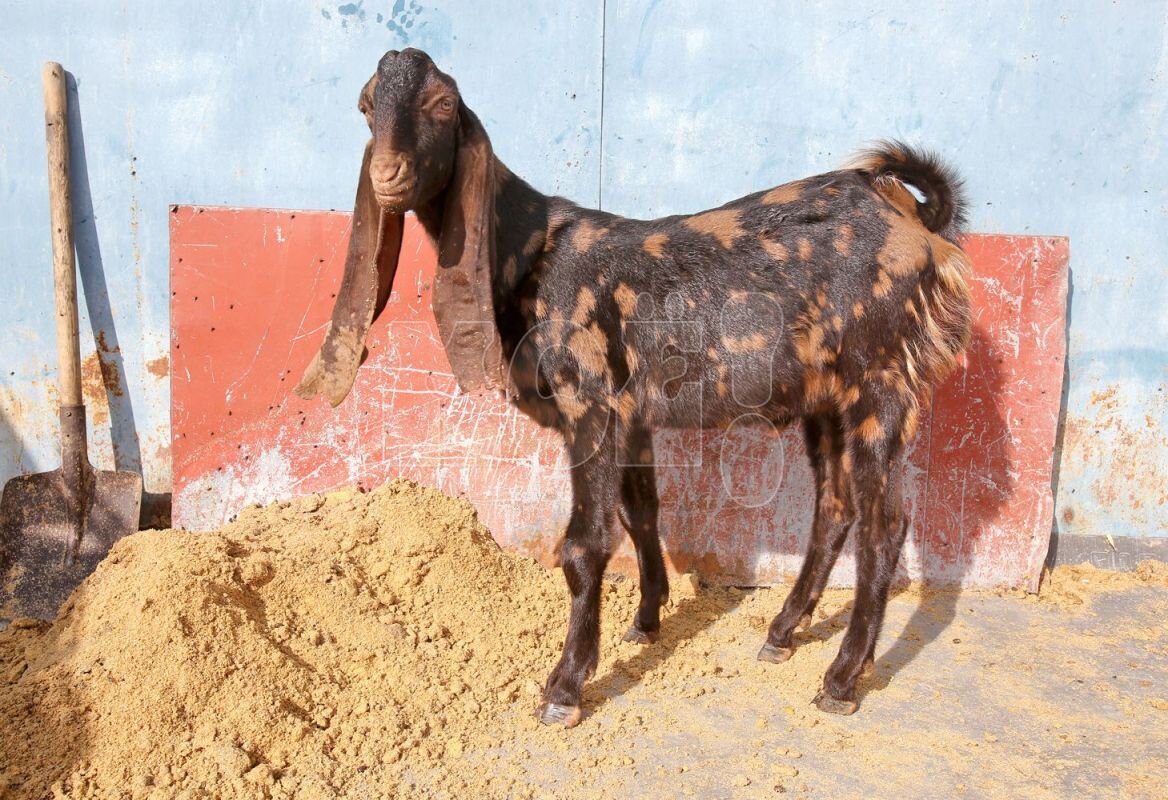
463 304
374 245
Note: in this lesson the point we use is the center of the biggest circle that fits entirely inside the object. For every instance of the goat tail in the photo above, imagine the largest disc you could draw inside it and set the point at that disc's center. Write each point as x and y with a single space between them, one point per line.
945 315
943 210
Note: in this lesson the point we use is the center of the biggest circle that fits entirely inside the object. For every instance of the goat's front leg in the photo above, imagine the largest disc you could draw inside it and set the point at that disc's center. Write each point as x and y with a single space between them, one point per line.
639 505
584 555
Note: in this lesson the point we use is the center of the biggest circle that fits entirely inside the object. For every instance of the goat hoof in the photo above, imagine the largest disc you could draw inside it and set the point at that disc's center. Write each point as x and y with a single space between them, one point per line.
775 655
831 705
557 714
638 636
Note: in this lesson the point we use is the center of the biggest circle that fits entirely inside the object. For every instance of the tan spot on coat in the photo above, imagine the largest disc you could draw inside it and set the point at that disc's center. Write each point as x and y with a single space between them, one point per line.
571 406
722 389
787 193
654 244
849 397
585 305
626 300
774 249
909 429
809 346
892 190
585 235
556 325
646 456
625 407
534 243
905 250
744 344
883 284
632 358
722 224
870 430
820 386
857 309
846 462
739 295
712 354
843 240
590 346
804 248
541 309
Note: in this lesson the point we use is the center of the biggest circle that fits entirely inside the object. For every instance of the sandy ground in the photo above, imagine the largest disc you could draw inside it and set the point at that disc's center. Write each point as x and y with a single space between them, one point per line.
381 645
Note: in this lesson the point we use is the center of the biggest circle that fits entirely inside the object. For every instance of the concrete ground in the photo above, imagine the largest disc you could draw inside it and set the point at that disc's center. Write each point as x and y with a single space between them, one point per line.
975 695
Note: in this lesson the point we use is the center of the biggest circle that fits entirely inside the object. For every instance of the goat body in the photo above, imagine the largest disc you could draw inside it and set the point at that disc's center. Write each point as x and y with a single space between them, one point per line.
839 299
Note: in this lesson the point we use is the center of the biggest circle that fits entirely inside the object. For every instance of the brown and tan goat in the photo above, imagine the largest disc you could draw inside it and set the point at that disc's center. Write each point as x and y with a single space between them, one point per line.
840 300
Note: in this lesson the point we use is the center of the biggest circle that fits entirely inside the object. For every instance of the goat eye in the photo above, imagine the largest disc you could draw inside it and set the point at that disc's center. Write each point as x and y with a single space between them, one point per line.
446 105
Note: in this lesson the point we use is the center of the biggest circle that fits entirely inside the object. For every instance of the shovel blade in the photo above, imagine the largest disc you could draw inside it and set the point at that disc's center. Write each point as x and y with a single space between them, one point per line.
37 530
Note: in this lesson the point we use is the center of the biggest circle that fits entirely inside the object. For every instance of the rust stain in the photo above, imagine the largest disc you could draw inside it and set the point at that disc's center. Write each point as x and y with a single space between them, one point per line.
110 375
1118 456
93 388
1107 399
103 345
159 367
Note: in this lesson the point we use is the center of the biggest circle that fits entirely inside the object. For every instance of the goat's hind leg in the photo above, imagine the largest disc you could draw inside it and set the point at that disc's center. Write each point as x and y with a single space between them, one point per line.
834 514
880 536
639 506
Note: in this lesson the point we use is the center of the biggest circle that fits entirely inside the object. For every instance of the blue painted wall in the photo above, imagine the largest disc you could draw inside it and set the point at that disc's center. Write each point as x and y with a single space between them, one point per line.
1054 111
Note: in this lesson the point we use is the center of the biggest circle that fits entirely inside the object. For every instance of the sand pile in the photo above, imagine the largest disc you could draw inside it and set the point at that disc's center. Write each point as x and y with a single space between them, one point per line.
382 645
304 647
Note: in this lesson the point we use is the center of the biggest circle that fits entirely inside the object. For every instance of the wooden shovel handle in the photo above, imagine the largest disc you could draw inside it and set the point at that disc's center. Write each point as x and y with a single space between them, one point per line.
61 211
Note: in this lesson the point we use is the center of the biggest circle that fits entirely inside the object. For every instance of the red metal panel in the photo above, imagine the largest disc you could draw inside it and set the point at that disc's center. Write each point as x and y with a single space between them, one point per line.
252 290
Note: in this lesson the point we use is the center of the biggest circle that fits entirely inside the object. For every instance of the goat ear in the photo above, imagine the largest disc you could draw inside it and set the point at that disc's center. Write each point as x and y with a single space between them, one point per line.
374 245
463 303
365 100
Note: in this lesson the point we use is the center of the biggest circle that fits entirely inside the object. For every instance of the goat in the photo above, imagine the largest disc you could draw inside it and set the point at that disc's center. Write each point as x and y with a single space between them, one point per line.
839 299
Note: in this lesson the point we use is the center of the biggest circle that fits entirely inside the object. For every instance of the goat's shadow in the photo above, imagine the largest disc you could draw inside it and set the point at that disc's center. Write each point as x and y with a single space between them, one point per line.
686 620
982 500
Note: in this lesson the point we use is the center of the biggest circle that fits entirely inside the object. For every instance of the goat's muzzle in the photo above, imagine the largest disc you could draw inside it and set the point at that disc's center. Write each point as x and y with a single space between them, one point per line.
394 181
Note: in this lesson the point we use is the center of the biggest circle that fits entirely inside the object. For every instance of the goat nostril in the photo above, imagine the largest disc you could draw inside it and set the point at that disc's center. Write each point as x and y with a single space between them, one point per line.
388 170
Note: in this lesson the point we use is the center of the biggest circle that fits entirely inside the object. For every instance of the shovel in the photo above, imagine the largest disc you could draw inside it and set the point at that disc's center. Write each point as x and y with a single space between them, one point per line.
56 526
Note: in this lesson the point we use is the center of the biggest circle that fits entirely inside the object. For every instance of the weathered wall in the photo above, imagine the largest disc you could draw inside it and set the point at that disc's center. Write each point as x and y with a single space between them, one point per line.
736 503
1055 112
